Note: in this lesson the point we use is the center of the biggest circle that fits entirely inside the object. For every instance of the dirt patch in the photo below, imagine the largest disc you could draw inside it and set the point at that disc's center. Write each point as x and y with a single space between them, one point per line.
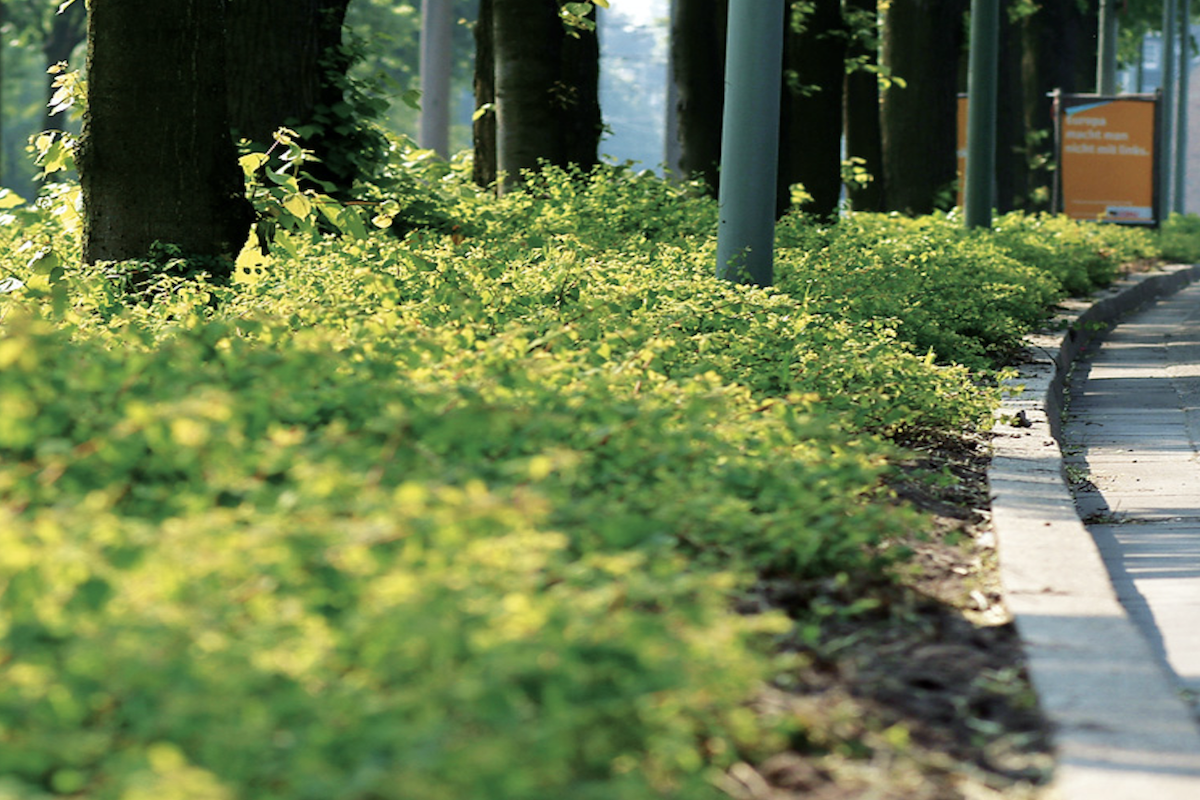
921 693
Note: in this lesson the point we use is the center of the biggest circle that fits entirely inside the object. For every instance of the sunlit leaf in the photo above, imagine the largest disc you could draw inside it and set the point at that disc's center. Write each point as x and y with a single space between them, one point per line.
251 162
298 205
10 199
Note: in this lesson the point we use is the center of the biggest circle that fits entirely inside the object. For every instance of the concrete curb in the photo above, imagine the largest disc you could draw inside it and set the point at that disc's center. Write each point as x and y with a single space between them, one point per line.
1121 729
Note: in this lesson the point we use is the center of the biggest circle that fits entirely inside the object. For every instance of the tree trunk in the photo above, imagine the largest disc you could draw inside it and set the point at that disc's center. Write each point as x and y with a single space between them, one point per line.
1059 53
579 97
275 50
810 147
1012 166
861 111
698 30
286 68
156 161
922 44
547 93
483 133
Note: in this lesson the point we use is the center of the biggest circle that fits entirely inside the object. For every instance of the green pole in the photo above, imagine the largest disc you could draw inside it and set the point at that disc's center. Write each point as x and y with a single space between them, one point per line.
1106 60
1166 159
1181 107
981 113
750 141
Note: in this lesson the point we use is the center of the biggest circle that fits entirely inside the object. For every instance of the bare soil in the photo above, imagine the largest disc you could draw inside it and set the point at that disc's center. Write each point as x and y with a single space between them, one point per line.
924 694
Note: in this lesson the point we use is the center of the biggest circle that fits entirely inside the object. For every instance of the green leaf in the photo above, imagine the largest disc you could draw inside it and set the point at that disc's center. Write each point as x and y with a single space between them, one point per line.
298 206
483 111
251 162
10 199
44 262
412 99
282 179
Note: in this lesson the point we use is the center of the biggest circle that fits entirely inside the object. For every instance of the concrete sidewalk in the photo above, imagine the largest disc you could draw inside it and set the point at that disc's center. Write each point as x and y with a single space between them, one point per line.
1110 611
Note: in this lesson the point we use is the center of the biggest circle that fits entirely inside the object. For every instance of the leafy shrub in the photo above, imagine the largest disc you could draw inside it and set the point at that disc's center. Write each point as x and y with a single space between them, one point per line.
434 643
960 297
426 516
1081 257
1180 239
609 207
967 296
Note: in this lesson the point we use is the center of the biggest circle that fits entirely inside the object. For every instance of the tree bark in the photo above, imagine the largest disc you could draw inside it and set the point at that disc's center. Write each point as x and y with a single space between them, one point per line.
922 44
810 146
698 33
861 111
156 161
1012 166
483 133
276 61
1059 53
286 68
547 89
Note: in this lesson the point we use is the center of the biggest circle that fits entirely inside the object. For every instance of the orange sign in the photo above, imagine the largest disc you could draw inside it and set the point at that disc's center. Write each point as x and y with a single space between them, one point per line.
1106 158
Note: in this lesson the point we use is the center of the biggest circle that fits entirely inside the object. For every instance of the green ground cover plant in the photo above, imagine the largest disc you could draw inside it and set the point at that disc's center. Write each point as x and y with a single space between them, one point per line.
469 510
1180 239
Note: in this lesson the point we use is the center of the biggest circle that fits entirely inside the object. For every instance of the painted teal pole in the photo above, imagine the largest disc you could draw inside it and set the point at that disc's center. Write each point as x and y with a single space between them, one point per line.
981 113
1106 58
750 141
1167 98
1183 67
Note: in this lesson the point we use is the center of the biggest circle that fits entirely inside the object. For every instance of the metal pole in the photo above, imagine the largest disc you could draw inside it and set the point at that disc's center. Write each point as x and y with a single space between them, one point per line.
981 113
1181 107
1106 60
1166 162
750 141
437 26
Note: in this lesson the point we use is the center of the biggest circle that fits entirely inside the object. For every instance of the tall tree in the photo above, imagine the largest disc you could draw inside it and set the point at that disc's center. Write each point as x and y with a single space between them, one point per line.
1059 48
922 45
698 29
286 66
483 134
861 104
1013 188
810 151
547 87
156 161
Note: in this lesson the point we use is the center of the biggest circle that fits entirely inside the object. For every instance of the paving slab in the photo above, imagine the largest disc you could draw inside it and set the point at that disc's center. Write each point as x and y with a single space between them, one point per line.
1106 610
